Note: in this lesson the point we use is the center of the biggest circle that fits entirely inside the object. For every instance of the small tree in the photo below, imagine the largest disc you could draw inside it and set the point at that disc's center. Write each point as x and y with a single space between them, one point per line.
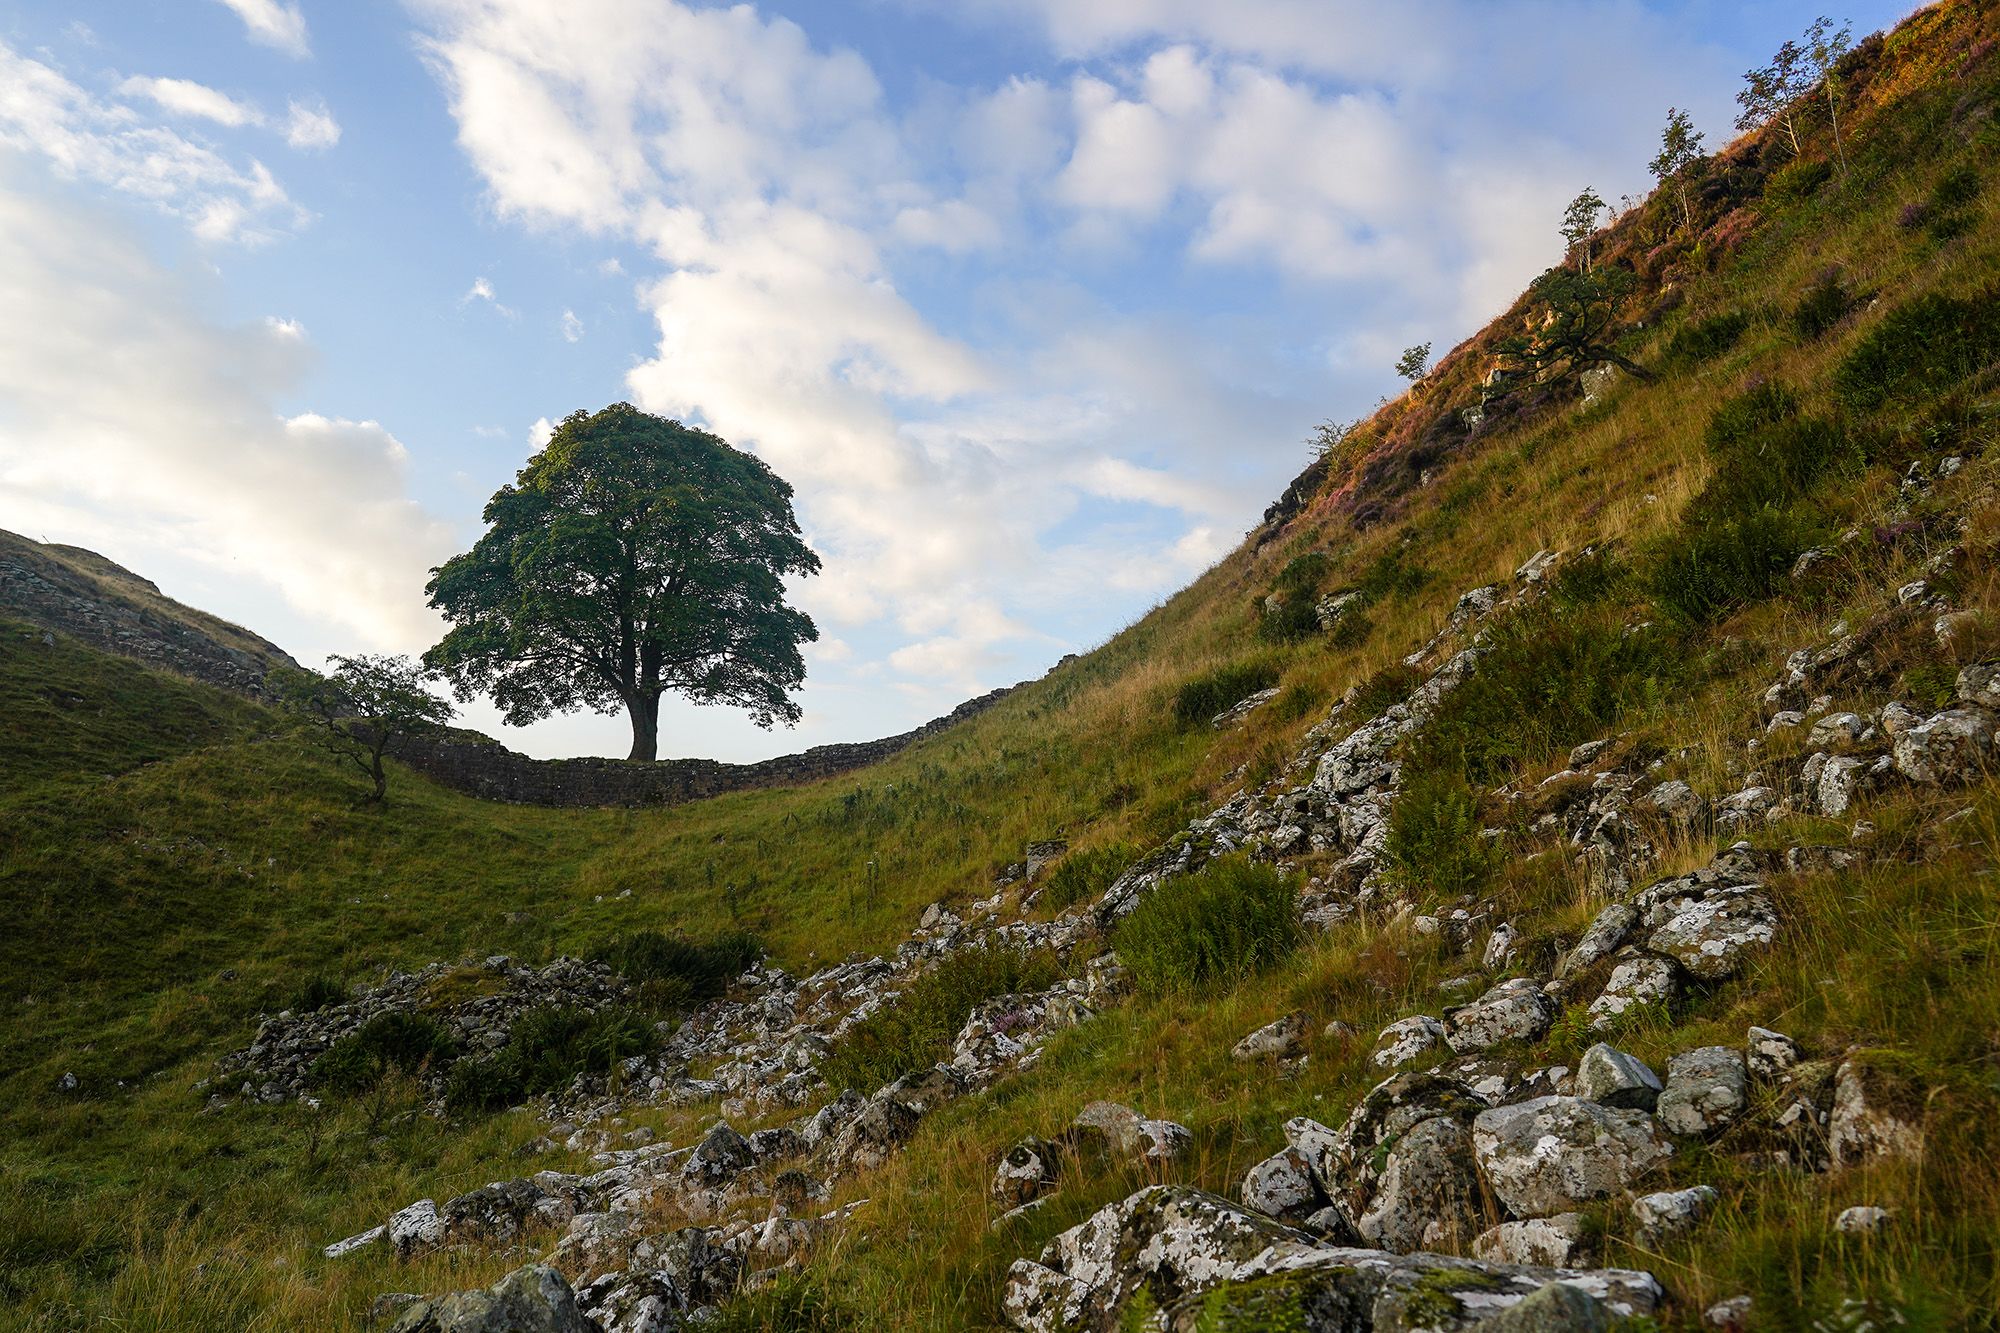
1772 94
1580 223
364 707
1582 313
1825 49
1680 152
1415 363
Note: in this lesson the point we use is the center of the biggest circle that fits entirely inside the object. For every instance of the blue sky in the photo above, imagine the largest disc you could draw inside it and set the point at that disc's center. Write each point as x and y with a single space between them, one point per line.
1034 302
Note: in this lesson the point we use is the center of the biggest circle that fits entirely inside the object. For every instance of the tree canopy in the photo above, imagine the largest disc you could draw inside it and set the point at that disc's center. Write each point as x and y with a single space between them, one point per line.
631 557
363 707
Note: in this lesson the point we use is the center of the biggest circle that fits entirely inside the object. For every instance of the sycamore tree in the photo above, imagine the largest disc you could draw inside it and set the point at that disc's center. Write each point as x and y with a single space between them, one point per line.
632 557
362 707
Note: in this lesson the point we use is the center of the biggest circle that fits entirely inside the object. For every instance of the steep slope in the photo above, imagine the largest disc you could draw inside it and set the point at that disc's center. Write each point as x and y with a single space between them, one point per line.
1771 597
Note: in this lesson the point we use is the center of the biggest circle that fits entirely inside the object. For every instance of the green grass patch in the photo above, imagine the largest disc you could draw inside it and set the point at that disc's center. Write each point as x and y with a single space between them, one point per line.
1217 691
915 1030
1921 349
1215 927
674 974
1082 876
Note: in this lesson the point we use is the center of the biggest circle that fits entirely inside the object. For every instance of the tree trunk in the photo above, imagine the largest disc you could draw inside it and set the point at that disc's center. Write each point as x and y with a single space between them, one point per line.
645 711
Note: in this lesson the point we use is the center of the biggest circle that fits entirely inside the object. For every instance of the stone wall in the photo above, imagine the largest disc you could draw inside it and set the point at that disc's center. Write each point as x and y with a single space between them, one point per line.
483 767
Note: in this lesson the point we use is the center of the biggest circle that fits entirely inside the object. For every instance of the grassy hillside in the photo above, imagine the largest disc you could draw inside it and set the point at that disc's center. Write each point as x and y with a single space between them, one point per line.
174 862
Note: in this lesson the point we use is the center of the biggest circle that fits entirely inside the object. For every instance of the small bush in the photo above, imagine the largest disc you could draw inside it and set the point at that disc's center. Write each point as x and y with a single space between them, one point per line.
1383 690
1352 629
1706 339
1293 619
1303 575
673 974
1766 454
1434 840
1921 349
1955 190
795 1303
1298 699
1705 570
1391 575
915 1030
1824 305
1219 690
1797 182
1550 679
1083 876
546 1049
1588 579
1216 926
317 993
413 1043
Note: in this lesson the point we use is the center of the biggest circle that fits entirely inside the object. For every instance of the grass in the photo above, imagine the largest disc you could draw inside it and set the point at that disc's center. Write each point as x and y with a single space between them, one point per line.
172 864
1215 927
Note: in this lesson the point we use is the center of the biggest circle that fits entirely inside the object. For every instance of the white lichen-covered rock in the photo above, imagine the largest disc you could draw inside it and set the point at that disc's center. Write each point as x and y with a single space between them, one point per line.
1841 781
1639 979
1515 1010
1955 746
874 1135
1707 1088
1610 929
1552 1242
1282 1186
1876 1114
1675 800
1750 807
1836 730
1428 1196
1861 1220
1610 1077
1408 1040
1280 1040
1188 1252
1770 1054
534 1299
1552 1154
1979 684
1710 936
415 1229
1026 1170
646 1302
1670 1214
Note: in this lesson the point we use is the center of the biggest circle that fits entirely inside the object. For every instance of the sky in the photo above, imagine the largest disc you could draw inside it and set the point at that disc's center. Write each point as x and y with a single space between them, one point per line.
1034 302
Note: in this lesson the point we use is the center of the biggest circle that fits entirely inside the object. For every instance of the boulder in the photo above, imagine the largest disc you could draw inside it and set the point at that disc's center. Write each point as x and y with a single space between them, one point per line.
1203 1263
494 1215
1280 1040
1875 1114
534 1299
1282 1186
1836 730
1515 1010
1707 1088
634 1303
1350 1168
1026 1170
1553 1153
1861 1220
1709 937
1841 780
1428 1197
872 1137
1675 800
1408 1040
1639 979
1956 746
1553 1242
1600 941
719 1158
1610 1077
1979 684
1559 1307
1769 1053
415 1229
1670 1214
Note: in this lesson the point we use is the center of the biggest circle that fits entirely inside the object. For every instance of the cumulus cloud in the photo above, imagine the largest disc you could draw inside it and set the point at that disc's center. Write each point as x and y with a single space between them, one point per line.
310 126
124 399
85 138
572 327
274 23
481 292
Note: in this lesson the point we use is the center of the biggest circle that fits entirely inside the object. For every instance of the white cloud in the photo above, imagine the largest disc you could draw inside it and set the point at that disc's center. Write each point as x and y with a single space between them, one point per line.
183 97
130 412
539 433
310 126
274 23
572 327
108 144
482 291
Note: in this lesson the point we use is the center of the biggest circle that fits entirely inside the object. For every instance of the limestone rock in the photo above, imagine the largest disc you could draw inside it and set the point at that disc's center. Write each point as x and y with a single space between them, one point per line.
1874 1115
1707 1088
1282 1186
872 1137
1515 1010
1670 1214
1552 1242
1026 1170
1639 979
1610 1077
415 1229
1955 746
1861 1220
534 1299
1280 1040
1428 1197
1408 1040
1709 937
1979 684
1600 941
1770 1053
1553 1153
